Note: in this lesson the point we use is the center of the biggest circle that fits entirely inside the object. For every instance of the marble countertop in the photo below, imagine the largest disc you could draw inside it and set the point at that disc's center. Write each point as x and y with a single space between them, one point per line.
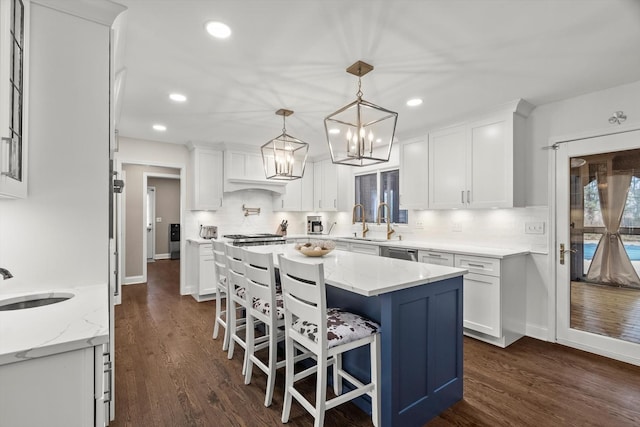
79 322
455 248
367 275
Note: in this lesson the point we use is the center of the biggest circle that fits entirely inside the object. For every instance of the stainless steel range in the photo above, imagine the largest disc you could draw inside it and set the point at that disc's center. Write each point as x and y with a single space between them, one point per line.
256 239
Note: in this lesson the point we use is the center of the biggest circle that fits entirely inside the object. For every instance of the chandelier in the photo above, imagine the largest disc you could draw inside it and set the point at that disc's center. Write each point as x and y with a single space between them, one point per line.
284 157
360 133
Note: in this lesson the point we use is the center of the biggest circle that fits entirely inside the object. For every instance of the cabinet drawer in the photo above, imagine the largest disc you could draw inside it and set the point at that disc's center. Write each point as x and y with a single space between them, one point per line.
206 249
364 249
434 257
480 265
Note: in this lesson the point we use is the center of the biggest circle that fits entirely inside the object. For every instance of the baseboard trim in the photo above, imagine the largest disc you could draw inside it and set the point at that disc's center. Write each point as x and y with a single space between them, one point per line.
133 280
537 332
162 256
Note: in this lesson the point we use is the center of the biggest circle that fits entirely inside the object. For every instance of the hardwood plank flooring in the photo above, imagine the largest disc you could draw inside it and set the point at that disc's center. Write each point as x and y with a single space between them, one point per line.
606 310
170 372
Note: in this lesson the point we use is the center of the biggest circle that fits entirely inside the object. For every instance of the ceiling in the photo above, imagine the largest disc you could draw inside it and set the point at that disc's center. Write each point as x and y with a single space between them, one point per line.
459 56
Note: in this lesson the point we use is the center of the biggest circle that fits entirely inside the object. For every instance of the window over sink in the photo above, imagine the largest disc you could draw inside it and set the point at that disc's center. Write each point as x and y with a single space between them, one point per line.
380 186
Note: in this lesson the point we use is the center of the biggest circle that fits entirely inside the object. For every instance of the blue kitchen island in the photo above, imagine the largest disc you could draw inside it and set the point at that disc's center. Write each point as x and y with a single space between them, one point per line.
419 308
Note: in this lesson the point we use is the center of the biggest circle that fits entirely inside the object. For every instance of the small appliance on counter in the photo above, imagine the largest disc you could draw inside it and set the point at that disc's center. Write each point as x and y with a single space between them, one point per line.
314 225
208 231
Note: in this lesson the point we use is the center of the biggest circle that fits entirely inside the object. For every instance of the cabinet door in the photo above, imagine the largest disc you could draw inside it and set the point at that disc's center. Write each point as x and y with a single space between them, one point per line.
207 179
490 163
290 200
306 188
435 257
14 84
447 168
207 273
414 175
481 310
330 186
317 186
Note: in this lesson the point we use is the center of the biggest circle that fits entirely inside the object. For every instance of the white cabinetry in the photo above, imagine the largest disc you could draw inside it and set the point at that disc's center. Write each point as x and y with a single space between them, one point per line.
299 194
494 298
479 164
364 248
205 189
65 389
414 174
494 294
200 274
331 186
435 257
245 170
14 95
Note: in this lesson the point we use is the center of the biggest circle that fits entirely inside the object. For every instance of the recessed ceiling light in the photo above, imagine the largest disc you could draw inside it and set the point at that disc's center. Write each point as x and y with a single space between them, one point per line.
218 30
159 127
414 102
334 131
178 97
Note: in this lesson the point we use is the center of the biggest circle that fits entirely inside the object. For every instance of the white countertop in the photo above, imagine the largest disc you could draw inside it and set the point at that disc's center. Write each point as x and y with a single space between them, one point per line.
367 275
80 322
455 248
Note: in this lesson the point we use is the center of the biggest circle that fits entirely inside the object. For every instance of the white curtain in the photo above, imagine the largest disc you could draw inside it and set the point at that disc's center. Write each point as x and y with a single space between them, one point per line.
610 263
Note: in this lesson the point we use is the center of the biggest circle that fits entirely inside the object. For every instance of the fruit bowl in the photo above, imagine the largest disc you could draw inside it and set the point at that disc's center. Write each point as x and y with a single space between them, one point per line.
316 249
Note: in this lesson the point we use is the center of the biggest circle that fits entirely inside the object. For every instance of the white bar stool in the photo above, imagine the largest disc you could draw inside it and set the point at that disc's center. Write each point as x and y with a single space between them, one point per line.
220 277
328 334
236 299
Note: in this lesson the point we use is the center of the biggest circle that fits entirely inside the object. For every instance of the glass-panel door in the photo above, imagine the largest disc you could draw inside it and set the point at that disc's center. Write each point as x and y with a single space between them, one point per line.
598 245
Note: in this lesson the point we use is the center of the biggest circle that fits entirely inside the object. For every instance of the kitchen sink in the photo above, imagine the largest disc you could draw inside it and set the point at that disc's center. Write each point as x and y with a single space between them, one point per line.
32 301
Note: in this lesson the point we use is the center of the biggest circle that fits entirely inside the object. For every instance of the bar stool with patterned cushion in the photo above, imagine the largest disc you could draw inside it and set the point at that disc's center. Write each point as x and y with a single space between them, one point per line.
328 333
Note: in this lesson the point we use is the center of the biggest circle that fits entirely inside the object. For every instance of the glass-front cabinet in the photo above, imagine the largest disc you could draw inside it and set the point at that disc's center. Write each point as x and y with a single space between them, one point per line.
14 19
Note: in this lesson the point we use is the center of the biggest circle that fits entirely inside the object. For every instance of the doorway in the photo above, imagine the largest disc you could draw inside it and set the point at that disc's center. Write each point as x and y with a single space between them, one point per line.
598 244
151 228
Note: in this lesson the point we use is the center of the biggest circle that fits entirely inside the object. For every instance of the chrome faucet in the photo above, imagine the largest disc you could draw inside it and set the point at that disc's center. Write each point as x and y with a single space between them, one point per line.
365 229
5 274
390 230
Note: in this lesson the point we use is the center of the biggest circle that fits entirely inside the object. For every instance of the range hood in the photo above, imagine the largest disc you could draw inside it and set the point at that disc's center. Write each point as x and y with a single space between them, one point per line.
243 170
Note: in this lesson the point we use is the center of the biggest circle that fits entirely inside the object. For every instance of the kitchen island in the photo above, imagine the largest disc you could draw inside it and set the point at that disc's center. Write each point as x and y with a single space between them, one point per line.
419 308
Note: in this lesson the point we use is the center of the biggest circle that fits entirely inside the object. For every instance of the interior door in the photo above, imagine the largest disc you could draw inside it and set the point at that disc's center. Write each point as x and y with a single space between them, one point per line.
151 228
589 195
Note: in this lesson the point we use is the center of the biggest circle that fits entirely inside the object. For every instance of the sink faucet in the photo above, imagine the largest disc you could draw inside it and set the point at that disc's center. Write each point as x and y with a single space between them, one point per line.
365 229
390 230
5 274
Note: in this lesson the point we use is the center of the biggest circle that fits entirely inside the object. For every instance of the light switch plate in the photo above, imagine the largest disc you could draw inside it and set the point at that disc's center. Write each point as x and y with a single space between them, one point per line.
534 227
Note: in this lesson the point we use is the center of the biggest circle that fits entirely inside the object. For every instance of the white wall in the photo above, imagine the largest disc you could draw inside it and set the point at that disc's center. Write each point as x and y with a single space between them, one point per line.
61 229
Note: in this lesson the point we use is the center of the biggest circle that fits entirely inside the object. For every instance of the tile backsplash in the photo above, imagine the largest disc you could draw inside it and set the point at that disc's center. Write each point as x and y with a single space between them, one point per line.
486 227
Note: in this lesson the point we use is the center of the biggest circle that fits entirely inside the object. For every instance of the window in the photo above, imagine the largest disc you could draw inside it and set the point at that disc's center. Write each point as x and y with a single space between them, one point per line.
376 187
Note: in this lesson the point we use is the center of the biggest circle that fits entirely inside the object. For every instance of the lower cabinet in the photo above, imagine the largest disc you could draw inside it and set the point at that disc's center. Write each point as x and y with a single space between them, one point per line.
200 274
494 303
65 390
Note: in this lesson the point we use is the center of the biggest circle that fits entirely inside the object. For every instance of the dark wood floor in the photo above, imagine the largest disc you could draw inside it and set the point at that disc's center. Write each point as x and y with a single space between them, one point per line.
169 372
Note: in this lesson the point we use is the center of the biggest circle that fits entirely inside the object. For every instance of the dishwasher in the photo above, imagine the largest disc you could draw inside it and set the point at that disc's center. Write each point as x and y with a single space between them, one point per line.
399 253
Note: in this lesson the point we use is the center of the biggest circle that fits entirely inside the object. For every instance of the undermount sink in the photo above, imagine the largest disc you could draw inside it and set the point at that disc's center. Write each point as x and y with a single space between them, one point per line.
34 300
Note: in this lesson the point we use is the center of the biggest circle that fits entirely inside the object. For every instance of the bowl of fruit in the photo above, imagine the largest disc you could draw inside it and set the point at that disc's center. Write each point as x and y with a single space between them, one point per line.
316 248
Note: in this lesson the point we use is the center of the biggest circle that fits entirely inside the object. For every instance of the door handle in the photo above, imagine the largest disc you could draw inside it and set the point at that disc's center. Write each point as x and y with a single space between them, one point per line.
563 251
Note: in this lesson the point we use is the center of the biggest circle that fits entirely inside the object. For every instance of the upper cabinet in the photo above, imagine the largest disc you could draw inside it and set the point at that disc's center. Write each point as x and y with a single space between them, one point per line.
299 193
205 190
244 170
329 187
14 85
479 164
414 158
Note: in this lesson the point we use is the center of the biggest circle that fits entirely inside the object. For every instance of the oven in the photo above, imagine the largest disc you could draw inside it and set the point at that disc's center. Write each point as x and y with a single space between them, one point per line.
256 239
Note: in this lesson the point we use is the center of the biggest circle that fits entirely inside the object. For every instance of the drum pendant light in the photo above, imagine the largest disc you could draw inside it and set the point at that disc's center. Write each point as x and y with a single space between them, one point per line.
284 157
360 133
